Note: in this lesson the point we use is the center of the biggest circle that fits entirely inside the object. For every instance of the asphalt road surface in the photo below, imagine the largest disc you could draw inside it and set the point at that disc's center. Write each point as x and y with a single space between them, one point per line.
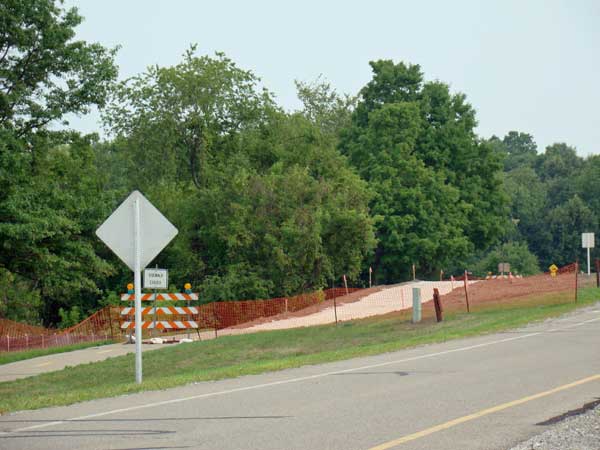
482 393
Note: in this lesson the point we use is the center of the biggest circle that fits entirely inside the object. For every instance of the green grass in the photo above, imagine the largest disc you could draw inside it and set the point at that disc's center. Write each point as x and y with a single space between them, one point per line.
9 357
232 356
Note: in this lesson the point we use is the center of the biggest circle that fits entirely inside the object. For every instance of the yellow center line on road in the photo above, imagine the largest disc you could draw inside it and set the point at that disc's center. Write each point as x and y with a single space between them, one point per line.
44 364
483 412
105 351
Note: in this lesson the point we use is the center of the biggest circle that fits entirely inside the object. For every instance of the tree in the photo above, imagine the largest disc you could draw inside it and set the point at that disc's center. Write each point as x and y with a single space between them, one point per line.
47 223
588 183
438 190
266 207
521 150
558 167
185 115
566 223
44 73
521 260
553 196
50 201
19 300
324 107
528 207
270 231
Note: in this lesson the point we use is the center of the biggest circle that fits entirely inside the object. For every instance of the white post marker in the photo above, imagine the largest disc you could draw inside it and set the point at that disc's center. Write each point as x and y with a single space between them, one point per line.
587 241
137 232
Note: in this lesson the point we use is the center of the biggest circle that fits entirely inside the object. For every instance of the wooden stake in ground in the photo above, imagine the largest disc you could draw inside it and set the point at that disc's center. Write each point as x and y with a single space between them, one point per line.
110 322
214 311
576 278
334 301
467 291
438 305
335 309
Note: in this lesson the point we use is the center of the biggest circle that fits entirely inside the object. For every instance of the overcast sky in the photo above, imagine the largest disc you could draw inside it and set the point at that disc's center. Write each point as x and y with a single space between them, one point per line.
531 66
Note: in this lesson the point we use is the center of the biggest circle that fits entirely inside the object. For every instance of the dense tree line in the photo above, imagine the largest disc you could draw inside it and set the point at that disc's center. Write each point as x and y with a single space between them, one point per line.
553 196
268 202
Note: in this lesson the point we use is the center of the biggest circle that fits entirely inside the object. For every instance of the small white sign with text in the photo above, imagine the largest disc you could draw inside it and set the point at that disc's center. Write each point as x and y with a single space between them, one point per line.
156 279
587 240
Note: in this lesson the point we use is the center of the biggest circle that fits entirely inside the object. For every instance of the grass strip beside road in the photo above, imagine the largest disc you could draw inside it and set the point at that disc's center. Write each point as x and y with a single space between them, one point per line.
9 357
232 356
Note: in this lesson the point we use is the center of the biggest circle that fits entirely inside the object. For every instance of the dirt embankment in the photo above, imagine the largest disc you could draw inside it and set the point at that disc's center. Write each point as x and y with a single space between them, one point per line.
350 298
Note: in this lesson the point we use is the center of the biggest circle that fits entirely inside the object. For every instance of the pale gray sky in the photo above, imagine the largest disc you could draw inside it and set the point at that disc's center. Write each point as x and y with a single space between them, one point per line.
531 66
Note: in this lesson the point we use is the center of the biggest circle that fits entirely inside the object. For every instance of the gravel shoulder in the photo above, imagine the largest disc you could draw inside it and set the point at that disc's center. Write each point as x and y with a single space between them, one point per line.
575 430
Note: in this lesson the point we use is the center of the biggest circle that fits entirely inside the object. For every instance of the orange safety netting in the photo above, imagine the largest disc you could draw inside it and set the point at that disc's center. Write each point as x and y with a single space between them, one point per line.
221 315
17 329
102 322
102 325
105 323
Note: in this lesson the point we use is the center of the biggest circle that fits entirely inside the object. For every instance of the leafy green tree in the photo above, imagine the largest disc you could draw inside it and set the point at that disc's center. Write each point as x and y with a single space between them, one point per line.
438 191
44 72
566 223
47 223
269 207
588 183
50 201
559 167
521 260
324 107
70 317
295 225
528 207
521 150
549 200
19 300
185 115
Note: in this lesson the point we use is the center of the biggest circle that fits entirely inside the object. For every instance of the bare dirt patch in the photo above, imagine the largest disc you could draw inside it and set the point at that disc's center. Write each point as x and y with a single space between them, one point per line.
318 307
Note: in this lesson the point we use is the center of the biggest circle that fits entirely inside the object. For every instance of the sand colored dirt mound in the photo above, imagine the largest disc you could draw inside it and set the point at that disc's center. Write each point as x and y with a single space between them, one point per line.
360 304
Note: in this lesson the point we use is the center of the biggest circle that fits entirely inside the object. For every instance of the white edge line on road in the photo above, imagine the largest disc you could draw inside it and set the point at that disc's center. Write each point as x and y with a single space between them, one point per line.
290 380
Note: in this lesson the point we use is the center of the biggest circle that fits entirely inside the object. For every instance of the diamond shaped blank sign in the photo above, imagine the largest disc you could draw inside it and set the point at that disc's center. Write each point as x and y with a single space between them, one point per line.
117 232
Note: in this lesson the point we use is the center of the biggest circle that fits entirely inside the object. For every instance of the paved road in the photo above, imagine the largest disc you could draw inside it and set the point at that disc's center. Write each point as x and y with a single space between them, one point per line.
58 361
483 393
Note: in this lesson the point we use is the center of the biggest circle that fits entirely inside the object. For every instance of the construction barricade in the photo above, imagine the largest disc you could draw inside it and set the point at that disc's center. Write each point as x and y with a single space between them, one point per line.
180 317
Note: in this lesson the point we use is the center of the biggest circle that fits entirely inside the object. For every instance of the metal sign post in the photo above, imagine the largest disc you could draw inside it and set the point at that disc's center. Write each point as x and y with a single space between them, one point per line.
137 284
137 232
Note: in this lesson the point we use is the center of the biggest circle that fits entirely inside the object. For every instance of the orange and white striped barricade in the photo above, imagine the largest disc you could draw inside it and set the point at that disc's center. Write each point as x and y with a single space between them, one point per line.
179 296
129 311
